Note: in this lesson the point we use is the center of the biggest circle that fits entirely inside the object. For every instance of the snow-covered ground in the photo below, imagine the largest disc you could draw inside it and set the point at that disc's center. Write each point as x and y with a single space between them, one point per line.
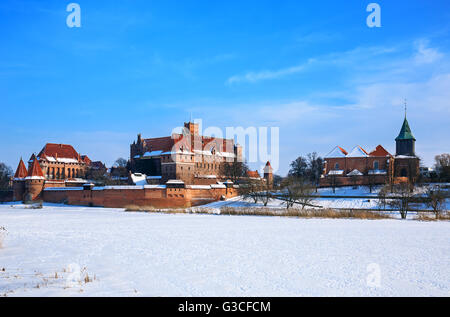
145 254
370 202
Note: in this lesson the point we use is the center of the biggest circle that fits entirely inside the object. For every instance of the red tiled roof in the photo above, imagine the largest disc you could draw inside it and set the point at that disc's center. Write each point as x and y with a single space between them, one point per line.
21 171
380 151
59 150
253 174
35 169
98 165
86 160
342 150
164 144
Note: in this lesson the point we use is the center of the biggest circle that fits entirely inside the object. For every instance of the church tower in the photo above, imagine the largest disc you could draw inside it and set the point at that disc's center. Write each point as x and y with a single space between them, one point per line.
405 142
34 182
19 181
268 174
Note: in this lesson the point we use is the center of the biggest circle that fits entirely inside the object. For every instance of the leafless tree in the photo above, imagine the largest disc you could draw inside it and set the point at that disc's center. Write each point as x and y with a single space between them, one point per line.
436 200
371 178
354 180
402 199
297 191
233 171
383 195
251 189
333 182
5 176
442 167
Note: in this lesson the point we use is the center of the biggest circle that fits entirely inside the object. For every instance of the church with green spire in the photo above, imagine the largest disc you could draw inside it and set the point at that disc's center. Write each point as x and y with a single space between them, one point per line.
406 163
405 142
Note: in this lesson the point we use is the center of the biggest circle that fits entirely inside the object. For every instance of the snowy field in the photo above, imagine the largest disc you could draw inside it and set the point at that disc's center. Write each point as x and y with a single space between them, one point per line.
144 254
338 203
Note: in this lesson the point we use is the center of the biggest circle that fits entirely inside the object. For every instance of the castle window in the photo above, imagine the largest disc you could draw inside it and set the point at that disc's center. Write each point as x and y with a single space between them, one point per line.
376 165
403 172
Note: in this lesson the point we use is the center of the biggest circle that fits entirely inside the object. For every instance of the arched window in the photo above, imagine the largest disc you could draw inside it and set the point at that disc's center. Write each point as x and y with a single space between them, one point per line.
376 165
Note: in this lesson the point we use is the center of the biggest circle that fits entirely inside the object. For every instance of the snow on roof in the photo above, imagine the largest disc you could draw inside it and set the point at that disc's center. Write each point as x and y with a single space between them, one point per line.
155 186
63 188
217 186
336 152
207 176
153 153
377 172
154 177
175 181
355 172
139 179
199 186
357 151
336 172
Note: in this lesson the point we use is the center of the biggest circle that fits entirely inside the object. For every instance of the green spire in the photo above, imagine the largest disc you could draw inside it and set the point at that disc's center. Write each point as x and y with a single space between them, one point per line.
405 132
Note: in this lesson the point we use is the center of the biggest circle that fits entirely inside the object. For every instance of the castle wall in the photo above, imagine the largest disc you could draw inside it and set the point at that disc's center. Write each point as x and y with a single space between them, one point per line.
123 196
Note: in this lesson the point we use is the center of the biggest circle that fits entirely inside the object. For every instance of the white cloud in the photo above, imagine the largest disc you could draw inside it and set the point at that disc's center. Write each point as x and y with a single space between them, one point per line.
267 74
426 54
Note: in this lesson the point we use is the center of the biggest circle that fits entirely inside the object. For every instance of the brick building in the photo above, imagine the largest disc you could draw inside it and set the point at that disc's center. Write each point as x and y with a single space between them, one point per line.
56 165
378 166
189 156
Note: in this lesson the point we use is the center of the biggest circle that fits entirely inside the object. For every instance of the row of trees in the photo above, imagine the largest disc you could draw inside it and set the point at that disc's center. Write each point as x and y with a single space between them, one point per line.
401 196
5 176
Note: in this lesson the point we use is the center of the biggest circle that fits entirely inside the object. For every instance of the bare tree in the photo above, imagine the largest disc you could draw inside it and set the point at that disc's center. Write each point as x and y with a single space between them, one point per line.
297 191
436 200
442 167
266 194
251 189
354 180
402 199
5 176
233 171
371 178
333 182
383 195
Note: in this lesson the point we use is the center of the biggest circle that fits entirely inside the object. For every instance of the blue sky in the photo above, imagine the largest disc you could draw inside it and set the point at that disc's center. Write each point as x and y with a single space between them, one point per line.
312 68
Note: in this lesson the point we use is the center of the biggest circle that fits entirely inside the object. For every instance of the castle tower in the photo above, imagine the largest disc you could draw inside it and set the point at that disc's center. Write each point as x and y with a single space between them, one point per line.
405 142
34 182
19 181
192 127
268 174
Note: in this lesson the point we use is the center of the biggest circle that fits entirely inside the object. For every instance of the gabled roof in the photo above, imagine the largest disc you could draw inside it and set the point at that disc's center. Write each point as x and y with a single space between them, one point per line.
355 172
380 152
35 170
337 152
405 132
358 151
268 168
21 171
58 151
86 160
253 174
